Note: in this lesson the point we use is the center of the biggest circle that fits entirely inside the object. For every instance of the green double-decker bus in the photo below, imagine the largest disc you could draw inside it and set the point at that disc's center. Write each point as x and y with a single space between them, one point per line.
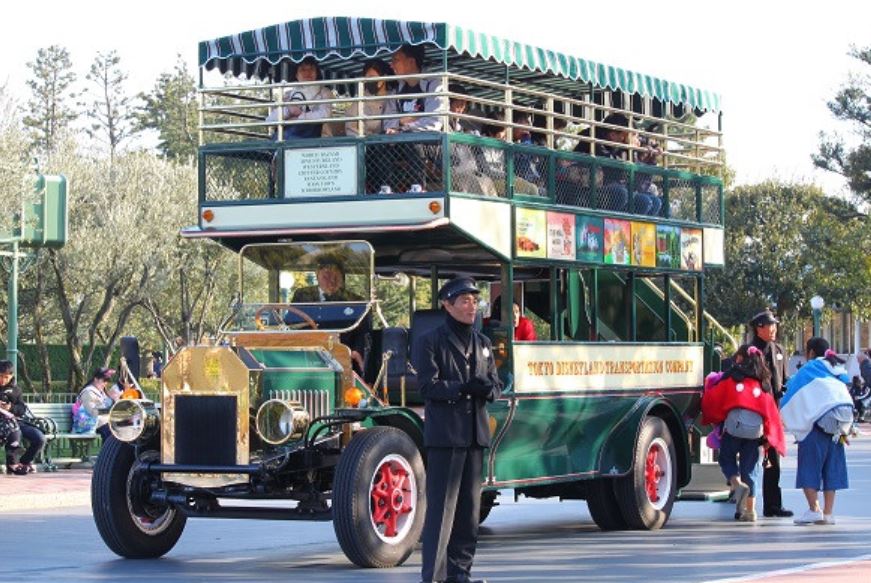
588 196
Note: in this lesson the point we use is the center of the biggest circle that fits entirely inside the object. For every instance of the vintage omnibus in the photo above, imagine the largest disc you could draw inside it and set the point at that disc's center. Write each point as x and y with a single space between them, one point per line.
586 194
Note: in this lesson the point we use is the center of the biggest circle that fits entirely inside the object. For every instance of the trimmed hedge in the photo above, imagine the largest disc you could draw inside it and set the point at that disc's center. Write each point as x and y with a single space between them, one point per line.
59 358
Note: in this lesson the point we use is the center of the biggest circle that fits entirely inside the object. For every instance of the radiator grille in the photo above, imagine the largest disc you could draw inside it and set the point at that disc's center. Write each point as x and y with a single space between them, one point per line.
205 430
317 403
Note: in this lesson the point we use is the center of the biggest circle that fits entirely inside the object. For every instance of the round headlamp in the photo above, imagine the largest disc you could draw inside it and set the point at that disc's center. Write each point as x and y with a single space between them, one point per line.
132 420
280 421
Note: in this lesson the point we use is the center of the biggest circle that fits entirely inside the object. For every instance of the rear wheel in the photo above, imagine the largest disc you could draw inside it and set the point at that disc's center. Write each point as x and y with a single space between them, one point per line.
604 506
379 498
647 494
129 524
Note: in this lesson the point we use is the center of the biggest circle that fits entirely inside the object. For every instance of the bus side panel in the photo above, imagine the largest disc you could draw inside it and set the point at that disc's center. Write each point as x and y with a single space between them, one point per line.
556 436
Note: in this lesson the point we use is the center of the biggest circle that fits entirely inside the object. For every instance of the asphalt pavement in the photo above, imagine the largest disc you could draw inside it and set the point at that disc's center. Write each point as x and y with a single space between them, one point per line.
46 518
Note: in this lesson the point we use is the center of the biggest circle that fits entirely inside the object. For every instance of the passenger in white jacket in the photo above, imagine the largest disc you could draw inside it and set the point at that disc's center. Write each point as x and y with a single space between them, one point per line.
298 108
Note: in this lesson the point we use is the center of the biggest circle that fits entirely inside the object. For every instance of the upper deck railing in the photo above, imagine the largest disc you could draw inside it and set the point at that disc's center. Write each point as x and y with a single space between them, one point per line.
243 152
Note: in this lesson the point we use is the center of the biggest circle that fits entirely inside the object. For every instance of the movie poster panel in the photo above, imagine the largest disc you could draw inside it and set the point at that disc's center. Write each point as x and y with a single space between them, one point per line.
691 249
531 233
668 246
644 244
561 236
618 236
591 238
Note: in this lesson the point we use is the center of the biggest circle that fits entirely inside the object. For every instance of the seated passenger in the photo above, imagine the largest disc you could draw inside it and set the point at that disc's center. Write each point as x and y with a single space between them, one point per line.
615 190
330 275
458 105
525 165
523 329
408 60
371 68
306 72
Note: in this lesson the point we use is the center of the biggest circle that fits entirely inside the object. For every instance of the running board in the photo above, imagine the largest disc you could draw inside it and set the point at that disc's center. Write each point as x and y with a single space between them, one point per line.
706 485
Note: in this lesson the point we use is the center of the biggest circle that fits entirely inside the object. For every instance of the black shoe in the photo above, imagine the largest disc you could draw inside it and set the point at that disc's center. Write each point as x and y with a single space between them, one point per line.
777 513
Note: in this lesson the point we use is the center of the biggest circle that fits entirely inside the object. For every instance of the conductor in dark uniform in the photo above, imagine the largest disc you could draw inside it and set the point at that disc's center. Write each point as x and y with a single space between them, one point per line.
457 376
764 326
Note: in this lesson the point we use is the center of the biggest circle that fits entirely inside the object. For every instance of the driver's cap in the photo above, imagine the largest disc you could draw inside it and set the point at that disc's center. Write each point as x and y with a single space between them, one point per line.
458 286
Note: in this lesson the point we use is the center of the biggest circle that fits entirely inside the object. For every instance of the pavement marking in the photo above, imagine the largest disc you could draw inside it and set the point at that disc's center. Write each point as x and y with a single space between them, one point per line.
805 569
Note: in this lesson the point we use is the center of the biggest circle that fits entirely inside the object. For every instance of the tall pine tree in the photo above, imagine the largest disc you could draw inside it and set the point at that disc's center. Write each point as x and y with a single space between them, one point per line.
50 108
108 106
170 109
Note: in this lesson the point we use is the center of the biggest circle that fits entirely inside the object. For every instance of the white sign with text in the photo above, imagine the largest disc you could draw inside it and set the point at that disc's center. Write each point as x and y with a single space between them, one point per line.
320 172
591 367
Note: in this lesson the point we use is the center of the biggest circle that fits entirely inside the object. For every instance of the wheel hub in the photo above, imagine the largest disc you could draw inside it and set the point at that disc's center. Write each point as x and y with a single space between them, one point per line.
391 495
653 473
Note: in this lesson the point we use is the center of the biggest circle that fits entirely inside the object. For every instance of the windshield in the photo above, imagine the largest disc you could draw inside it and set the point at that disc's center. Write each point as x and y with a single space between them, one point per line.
289 286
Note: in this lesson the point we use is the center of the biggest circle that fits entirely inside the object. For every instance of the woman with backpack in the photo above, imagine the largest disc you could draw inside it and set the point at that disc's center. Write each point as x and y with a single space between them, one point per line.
818 410
741 400
95 396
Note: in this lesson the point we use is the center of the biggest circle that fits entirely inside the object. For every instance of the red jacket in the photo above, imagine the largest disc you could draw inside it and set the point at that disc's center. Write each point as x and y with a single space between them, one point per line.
524 330
720 398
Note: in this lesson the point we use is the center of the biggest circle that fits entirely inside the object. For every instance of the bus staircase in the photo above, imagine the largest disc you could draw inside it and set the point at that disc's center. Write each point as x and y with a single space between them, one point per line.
707 481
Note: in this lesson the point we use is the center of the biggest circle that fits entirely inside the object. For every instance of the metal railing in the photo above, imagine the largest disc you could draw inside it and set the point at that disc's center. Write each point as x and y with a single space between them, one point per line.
241 111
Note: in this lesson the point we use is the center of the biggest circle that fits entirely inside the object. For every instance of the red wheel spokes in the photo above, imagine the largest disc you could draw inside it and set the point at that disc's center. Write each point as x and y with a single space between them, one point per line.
652 474
391 497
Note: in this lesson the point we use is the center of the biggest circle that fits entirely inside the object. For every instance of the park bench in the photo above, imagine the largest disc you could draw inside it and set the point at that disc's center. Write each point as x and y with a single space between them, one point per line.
55 420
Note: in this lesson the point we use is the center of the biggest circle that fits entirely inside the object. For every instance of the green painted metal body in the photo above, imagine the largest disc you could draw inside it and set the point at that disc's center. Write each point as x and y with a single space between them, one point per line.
554 439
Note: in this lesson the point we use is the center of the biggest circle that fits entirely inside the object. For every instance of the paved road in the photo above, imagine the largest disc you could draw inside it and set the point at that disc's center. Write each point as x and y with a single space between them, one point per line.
528 540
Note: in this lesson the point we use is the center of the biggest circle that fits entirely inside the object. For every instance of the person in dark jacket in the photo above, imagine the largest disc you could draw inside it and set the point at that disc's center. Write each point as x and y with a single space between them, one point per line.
34 437
764 326
457 376
330 275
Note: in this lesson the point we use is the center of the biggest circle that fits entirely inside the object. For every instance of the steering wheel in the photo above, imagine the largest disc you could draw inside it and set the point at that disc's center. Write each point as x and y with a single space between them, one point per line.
274 311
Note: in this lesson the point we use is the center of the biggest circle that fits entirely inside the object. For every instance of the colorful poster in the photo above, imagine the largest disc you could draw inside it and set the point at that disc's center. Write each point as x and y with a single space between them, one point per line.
691 249
560 236
617 241
591 240
531 233
668 246
644 244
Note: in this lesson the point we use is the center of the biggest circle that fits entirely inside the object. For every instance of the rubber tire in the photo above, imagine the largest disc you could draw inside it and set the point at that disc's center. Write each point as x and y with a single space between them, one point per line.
488 501
130 352
631 494
351 514
604 506
111 514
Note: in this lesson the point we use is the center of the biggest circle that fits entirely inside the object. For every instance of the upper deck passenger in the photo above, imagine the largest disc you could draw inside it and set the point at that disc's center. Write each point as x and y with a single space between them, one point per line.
306 72
375 107
408 60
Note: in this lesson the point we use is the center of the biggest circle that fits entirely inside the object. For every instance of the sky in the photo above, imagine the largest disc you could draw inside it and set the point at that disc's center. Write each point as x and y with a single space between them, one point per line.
774 63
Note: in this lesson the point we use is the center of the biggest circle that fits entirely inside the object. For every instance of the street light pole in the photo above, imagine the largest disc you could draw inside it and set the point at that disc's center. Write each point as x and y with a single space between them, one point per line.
817 304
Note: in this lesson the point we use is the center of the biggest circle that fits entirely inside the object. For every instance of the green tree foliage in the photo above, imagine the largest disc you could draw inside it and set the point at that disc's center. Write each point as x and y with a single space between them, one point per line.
852 104
108 105
785 243
119 249
50 109
170 109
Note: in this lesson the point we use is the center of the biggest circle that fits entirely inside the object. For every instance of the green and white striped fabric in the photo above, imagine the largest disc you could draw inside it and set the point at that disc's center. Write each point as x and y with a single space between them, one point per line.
253 51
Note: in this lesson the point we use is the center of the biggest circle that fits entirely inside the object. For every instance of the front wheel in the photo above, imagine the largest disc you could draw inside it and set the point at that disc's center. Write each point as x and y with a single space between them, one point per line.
129 524
379 498
647 494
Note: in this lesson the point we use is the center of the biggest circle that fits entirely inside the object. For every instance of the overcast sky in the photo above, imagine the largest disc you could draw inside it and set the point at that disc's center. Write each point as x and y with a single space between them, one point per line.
774 63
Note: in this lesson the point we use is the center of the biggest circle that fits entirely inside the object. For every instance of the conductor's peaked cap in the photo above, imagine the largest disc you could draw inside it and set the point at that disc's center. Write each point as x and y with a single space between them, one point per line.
458 286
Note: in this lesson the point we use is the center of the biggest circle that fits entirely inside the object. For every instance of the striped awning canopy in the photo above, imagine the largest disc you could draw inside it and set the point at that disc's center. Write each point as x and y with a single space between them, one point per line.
255 51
